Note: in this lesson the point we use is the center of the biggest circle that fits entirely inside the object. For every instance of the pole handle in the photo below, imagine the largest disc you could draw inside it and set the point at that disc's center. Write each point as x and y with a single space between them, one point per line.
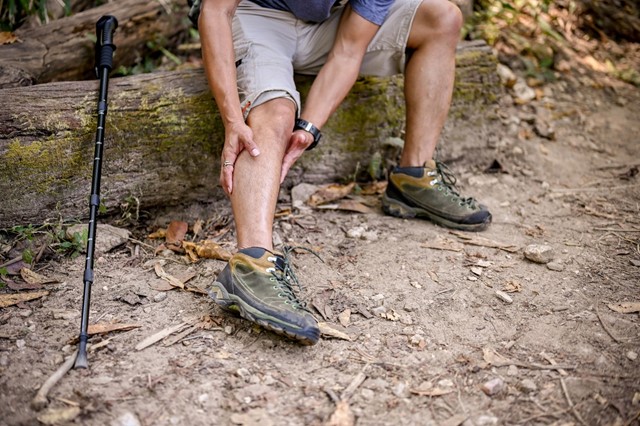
105 28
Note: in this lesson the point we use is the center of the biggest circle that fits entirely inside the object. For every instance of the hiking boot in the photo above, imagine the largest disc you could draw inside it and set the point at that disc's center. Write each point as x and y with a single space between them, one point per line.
429 192
258 284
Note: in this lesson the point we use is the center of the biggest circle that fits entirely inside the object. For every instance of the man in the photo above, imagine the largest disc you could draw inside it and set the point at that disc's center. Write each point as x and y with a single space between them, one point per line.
251 49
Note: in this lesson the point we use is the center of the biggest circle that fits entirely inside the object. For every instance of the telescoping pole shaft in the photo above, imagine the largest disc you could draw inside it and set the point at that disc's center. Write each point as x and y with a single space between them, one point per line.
105 29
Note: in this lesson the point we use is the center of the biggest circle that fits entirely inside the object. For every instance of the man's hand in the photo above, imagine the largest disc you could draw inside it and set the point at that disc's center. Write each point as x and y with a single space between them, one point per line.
238 137
298 143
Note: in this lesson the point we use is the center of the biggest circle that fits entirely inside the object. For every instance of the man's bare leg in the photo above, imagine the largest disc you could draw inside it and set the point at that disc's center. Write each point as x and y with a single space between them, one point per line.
429 77
256 180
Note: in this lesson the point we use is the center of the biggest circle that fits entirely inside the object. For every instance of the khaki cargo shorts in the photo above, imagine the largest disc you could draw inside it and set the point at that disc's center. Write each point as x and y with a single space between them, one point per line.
271 45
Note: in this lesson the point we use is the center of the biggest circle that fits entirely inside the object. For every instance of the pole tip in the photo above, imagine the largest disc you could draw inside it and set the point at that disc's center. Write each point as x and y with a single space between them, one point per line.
81 360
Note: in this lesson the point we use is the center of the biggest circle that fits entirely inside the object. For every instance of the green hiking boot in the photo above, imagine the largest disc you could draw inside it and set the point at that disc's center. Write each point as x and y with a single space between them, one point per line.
429 192
258 284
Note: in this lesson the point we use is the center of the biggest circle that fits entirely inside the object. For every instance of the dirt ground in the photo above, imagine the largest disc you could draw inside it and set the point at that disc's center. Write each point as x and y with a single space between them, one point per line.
430 341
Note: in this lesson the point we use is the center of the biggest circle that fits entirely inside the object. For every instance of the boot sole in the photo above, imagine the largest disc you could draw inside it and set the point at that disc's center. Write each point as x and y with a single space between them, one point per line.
232 303
399 209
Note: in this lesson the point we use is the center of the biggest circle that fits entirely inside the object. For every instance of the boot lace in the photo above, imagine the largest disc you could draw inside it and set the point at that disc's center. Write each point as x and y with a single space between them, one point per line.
286 280
444 178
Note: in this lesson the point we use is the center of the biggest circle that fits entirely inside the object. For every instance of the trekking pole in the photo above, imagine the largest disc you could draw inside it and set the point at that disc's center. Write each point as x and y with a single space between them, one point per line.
105 27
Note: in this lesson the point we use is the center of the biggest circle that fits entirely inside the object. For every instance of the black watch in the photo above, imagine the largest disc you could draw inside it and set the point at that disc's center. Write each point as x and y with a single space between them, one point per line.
308 127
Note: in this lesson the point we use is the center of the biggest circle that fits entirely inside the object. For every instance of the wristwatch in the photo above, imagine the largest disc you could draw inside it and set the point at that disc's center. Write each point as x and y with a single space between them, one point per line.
309 127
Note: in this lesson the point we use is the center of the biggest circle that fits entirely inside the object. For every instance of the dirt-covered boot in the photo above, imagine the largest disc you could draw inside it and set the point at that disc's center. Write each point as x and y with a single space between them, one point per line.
259 285
429 192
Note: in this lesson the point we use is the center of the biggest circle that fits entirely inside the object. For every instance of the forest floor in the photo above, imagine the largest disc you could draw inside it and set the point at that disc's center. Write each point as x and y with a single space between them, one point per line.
425 338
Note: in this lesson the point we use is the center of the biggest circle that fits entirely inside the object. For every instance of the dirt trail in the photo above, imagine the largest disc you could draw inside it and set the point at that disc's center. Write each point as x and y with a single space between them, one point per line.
427 330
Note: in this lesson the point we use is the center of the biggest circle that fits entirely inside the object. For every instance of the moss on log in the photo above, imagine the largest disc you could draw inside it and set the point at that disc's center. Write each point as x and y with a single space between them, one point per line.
164 137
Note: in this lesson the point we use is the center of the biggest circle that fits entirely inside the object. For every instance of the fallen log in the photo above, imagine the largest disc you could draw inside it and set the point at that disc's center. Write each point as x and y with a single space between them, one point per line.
164 137
64 49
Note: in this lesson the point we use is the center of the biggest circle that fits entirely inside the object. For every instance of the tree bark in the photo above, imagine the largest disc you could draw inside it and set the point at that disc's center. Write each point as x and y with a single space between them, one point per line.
164 138
64 49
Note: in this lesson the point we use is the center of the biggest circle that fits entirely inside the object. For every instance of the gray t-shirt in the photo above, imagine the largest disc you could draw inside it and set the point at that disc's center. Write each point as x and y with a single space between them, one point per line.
318 10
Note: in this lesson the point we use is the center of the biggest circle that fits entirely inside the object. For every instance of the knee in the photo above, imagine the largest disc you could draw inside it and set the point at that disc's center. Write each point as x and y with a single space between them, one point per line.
440 19
274 117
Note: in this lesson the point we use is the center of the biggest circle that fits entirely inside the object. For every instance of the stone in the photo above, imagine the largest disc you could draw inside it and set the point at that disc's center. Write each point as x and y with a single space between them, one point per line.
301 193
635 262
522 92
126 419
503 296
162 295
544 129
632 355
367 394
356 233
512 370
370 236
379 310
527 386
507 77
555 266
493 386
107 237
539 253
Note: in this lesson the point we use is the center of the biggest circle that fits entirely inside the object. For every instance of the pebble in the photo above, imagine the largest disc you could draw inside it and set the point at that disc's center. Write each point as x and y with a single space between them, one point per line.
528 386
126 419
415 284
503 296
356 232
228 329
378 297
471 278
25 313
370 236
379 310
20 343
512 370
636 399
243 373
160 296
476 271
635 262
202 398
632 355
485 420
493 386
555 266
367 393
507 77
400 390
539 253
522 92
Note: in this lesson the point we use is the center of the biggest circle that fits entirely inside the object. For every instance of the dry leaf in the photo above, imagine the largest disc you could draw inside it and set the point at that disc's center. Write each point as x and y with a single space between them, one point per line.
159 234
330 193
205 250
375 188
175 233
34 278
433 276
160 285
327 331
160 272
13 299
197 227
7 38
347 205
494 358
625 307
342 416
512 287
19 286
103 328
56 416
345 317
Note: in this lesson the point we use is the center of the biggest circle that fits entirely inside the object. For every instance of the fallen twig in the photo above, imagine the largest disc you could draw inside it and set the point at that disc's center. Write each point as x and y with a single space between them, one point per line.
553 362
609 332
571 406
616 230
484 242
155 338
354 385
40 400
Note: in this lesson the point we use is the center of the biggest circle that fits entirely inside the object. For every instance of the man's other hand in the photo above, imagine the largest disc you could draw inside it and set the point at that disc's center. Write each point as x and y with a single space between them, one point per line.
300 140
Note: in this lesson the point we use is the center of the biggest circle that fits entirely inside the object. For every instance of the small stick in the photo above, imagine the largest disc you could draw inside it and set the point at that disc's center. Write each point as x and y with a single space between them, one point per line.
605 326
553 362
616 230
40 400
573 407
12 261
354 385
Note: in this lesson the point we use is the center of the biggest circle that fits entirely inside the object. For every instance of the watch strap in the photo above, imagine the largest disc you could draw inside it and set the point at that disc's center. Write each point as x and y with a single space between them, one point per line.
309 127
